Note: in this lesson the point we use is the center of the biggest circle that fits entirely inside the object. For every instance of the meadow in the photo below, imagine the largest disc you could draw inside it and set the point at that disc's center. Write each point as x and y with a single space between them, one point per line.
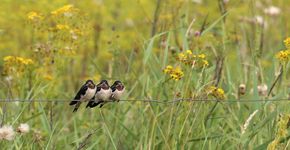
199 74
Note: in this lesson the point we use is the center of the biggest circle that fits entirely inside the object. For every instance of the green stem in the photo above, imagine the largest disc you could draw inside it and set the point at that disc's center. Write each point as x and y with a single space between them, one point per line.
210 113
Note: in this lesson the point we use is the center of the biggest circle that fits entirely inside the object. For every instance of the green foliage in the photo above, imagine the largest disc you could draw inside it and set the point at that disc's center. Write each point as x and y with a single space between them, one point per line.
213 47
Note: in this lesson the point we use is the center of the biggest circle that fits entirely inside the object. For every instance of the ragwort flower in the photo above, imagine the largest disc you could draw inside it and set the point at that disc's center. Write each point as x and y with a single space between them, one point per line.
216 92
66 10
174 73
287 42
33 16
188 58
283 56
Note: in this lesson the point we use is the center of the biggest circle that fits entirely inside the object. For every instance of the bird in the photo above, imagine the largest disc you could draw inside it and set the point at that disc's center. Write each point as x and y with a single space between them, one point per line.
86 92
118 89
102 95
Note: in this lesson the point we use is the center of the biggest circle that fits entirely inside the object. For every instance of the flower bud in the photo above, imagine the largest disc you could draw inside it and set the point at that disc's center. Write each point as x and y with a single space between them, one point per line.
262 89
242 89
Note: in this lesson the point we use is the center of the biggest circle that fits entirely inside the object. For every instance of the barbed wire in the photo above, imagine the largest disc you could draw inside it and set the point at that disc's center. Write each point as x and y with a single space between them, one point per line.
153 100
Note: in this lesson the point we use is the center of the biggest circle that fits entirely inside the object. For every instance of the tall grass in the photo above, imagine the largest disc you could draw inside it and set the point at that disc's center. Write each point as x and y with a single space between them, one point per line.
133 41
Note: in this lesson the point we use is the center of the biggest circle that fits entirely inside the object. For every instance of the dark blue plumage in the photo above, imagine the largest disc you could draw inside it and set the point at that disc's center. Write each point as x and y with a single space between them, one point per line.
103 94
86 92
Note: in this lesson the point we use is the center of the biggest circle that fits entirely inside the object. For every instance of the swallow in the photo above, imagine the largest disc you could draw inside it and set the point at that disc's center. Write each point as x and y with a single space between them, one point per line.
102 95
86 93
117 91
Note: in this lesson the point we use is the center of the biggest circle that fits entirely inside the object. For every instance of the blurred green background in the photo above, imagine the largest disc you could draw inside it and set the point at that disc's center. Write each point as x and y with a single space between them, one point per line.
49 48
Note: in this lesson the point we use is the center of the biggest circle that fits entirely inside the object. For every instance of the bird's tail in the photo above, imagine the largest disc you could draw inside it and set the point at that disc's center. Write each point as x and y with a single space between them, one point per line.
92 104
77 107
73 102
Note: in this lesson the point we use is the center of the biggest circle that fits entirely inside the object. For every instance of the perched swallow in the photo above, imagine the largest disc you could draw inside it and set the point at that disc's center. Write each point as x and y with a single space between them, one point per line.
117 91
102 95
86 93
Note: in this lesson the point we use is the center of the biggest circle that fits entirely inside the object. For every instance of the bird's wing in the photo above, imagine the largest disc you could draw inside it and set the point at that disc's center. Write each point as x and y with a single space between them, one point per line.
113 88
81 92
98 88
92 100
92 104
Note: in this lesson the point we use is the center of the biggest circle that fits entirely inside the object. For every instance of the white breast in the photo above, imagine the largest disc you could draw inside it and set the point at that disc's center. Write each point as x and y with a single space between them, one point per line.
89 94
118 94
104 94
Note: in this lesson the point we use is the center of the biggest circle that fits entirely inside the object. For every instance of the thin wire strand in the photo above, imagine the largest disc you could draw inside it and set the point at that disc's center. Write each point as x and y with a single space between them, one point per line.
152 100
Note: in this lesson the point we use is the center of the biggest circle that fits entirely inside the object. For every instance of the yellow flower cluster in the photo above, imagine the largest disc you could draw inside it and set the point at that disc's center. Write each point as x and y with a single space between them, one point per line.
282 126
284 56
64 10
48 77
13 64
189 58
62 27
33 16
216 92
175 73
76 31
287 43
20 60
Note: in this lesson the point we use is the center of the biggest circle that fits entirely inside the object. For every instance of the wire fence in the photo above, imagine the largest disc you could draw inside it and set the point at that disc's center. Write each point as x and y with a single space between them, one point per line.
154 100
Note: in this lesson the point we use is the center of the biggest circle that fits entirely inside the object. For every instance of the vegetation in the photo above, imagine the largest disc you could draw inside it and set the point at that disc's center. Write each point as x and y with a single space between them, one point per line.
215 72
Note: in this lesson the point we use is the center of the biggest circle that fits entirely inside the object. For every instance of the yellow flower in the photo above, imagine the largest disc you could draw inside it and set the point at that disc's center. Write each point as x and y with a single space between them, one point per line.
281 132
48 77
8 58
174 73
76 32
62 27
195 61
182 57
168 69
19 60
188 52
217 92
15 65
202 56
63 10
287 42
205 62
283 56
34 16
272 145
27 61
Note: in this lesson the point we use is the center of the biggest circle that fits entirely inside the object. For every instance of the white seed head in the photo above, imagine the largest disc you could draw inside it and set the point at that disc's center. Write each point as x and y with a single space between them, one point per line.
262 89
23 128
259 20
247 122
226 1
7 133
272 11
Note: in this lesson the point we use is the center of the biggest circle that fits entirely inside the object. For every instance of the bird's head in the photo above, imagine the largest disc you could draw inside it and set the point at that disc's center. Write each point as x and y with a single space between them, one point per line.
119 85
90 84
104 84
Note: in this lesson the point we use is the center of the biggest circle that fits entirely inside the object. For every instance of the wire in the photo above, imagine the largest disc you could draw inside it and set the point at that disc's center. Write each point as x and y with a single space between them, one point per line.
152 100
